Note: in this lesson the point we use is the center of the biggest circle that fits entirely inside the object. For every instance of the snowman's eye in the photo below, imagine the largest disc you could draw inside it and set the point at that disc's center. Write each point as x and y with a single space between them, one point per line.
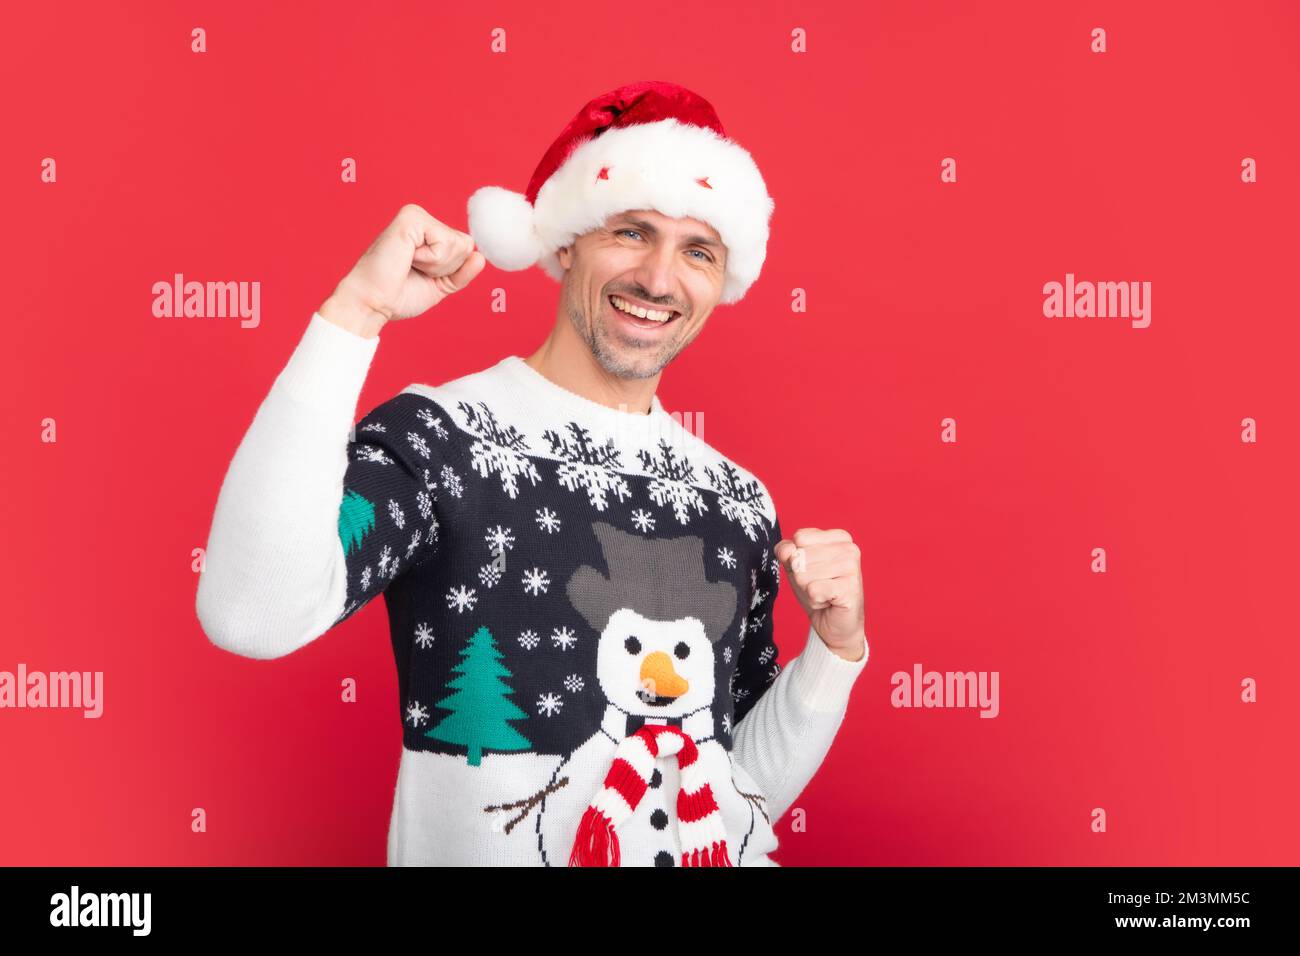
682 650
633 645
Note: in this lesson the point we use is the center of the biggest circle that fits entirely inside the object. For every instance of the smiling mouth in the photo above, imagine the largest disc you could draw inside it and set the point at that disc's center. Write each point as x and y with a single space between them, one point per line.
647 322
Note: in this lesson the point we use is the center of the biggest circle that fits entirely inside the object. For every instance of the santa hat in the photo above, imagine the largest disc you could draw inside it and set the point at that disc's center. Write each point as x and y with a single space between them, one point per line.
650 145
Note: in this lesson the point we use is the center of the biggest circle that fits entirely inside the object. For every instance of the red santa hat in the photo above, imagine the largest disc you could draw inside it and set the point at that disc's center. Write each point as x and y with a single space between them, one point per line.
650 145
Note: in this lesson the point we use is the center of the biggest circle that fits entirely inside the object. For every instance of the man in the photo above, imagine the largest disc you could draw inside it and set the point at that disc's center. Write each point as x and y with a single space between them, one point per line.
579 591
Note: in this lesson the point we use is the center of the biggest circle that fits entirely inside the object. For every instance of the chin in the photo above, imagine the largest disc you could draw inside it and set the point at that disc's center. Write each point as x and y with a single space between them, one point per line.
628 365
627 362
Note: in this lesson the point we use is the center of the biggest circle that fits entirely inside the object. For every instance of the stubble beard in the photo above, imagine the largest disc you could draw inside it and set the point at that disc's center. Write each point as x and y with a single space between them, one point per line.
611 356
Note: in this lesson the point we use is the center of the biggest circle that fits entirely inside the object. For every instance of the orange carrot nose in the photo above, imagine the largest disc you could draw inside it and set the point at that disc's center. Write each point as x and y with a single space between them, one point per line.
659 677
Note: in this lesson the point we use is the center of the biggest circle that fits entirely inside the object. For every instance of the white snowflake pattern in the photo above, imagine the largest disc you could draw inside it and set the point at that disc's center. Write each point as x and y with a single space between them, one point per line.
727 557
563 637
643 520
418 443
756 622
500 449
489 574
746 515
774 672
499 538
767 653
431 421
374 427
681 496
365 578
387 562
588 465
460 598
573 683
547 519
537 581
395 512
425 504
549 704
432 486
674 481
415 543
726 723
726 655
423 635
416 714
489 459
741 500
451 481
373 454
528 640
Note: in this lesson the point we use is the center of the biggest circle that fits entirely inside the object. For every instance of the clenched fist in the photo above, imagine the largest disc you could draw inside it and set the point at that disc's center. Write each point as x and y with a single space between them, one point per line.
415 263
825 570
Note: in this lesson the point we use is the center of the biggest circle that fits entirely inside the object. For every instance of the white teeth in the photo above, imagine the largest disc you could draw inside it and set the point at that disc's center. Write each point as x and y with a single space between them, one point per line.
652 314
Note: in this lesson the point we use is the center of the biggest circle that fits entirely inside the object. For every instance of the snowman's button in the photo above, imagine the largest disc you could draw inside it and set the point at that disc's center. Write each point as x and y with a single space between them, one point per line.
659 819
656 778
664 858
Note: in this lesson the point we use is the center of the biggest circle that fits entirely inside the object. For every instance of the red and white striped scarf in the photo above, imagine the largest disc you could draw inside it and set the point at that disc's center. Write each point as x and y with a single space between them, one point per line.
699 821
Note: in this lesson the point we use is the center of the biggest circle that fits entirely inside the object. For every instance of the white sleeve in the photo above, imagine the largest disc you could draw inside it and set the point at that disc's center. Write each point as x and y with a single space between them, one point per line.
274 574
783 738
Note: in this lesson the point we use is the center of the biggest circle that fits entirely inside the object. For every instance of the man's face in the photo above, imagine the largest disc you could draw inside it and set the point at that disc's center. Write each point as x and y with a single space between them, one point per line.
652 262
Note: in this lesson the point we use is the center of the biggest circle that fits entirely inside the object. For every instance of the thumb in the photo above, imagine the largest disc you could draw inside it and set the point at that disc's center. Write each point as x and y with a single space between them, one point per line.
790 555
470 268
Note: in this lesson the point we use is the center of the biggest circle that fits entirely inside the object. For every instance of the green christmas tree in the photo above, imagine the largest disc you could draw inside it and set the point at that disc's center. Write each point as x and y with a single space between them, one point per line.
356 520
480 707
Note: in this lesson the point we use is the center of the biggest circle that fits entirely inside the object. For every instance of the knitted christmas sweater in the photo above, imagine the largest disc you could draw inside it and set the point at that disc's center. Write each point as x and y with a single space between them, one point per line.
579 600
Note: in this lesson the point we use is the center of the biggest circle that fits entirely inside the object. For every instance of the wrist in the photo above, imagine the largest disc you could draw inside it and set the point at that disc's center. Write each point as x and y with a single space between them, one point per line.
349 311
852 651
821 677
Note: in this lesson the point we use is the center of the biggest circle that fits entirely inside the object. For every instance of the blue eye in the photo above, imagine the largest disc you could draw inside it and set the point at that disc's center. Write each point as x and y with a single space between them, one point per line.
705 256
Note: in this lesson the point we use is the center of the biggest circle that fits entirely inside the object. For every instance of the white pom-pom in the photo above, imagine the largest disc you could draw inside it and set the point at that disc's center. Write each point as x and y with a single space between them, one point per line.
501 223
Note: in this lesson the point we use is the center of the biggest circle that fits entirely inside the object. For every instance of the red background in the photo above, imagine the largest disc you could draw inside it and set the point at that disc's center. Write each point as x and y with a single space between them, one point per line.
1118 690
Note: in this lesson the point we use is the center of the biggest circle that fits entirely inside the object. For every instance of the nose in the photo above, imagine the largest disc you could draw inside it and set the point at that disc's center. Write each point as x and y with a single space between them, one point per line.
656 270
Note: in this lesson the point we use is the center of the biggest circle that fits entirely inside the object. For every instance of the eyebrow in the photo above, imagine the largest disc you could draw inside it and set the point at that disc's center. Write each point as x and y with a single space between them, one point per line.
690 240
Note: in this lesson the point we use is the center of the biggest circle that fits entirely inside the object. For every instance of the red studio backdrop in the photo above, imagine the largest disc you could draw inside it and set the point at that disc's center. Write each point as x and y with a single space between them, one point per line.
934 167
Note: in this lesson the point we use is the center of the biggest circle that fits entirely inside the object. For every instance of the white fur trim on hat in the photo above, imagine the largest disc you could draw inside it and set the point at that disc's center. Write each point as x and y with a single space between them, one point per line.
501 224
650 166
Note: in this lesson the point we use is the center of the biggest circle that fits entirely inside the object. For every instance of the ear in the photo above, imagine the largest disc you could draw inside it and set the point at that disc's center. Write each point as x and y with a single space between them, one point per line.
565 255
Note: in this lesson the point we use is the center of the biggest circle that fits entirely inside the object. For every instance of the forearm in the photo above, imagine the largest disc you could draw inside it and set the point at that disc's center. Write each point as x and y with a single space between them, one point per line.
274 576
786 735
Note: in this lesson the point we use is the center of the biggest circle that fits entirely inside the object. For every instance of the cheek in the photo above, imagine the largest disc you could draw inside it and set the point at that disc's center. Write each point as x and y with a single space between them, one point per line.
704 295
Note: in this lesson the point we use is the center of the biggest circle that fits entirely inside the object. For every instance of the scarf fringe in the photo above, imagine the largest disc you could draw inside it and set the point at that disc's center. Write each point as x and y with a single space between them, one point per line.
597 841
718 856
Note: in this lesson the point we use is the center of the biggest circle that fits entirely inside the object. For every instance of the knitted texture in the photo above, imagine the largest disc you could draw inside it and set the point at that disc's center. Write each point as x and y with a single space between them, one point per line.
579 600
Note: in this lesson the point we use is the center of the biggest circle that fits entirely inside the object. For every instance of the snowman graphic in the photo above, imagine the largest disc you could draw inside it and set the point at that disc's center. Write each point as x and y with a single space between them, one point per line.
659 619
